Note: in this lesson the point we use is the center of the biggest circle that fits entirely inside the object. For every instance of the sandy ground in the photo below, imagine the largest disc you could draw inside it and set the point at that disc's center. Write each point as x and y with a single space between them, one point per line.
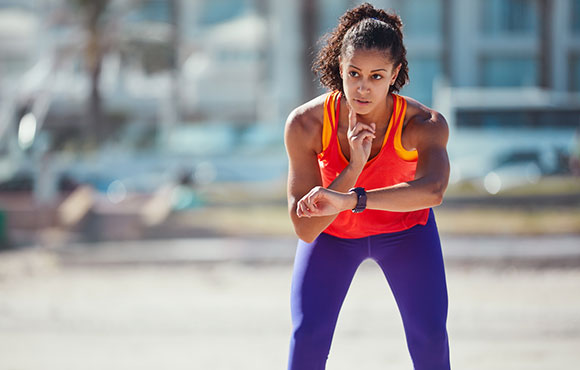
236 316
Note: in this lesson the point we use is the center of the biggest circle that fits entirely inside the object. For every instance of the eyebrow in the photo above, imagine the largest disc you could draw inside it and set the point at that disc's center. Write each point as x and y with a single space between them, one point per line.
374 70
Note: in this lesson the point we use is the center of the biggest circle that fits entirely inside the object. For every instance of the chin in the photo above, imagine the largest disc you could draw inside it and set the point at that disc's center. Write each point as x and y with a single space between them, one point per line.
362 110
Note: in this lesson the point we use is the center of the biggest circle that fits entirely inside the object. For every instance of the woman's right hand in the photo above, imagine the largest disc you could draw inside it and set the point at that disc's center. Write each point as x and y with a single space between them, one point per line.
360 139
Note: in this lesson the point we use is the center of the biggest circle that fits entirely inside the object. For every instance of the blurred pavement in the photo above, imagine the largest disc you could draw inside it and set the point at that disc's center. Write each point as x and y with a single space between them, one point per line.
536 251
224 304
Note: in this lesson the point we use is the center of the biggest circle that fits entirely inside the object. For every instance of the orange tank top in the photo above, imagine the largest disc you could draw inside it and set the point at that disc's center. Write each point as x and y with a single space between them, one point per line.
392 165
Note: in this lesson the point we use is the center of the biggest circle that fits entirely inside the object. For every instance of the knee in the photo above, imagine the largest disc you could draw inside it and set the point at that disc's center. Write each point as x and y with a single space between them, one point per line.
313 334
430 349
428 335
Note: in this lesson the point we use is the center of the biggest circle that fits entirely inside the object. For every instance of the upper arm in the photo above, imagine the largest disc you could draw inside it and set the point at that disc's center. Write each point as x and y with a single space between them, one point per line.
300 137
430 136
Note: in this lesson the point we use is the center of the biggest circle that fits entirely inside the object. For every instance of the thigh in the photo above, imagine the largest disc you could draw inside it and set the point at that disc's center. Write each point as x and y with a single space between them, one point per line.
323 271
413 265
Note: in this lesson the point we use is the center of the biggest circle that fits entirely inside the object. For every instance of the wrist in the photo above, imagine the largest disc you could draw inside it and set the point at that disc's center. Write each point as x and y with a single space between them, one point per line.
351 200
354 169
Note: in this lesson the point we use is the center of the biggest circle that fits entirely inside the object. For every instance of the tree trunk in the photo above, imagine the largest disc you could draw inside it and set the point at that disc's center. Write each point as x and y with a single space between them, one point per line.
94 130
94 112
309 17
545 17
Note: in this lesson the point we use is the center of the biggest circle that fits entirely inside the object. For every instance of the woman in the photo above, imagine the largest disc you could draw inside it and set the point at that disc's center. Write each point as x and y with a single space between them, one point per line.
365 166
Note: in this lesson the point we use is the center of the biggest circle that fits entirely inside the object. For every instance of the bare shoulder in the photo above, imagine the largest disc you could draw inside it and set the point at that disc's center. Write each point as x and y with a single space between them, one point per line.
423 122
304 124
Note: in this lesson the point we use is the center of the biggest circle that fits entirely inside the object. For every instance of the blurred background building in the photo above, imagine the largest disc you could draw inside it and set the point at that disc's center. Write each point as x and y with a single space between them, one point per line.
117 116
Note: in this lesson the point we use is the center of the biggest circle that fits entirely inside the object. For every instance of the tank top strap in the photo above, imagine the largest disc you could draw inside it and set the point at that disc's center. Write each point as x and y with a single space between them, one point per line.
407 155
330 119
399 105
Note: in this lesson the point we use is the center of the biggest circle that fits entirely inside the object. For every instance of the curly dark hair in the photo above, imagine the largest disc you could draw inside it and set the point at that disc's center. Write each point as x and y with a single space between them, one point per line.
364 27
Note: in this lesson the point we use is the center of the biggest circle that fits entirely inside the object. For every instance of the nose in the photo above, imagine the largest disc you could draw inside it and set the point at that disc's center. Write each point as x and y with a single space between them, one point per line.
362 88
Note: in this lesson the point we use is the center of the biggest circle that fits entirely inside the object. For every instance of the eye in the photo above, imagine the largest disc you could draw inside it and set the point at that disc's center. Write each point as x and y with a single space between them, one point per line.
353 74
376 77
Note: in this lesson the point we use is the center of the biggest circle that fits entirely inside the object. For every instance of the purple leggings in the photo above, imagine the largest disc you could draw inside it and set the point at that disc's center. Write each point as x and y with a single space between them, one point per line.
413 265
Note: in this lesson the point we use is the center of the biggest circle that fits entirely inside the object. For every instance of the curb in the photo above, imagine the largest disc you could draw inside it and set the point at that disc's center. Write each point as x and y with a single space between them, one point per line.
544 251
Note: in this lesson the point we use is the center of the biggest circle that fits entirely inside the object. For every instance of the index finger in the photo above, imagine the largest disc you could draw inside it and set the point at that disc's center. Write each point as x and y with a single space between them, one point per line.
351 117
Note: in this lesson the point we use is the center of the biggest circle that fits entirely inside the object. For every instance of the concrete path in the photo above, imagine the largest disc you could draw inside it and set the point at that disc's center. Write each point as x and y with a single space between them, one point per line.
232 315
562 250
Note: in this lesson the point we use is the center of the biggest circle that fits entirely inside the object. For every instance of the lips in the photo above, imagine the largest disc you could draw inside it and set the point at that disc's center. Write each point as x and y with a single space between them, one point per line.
362 101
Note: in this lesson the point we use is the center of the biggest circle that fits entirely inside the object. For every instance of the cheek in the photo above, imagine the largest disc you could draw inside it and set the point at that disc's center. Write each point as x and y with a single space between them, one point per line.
347 89
379 86
347 84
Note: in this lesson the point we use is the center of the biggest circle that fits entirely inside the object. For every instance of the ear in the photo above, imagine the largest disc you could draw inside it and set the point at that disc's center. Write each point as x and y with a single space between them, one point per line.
395 74
340 65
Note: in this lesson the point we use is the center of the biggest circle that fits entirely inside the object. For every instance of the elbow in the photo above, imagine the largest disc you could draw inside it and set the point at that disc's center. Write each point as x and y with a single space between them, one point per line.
303 232
302 227
437 190
308 239
437 199
305 235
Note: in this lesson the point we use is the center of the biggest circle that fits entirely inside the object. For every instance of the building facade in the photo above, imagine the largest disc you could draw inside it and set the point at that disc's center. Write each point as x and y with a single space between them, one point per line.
484 43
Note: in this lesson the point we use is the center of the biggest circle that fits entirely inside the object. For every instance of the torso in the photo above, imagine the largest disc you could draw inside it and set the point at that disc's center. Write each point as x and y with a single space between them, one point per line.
388 165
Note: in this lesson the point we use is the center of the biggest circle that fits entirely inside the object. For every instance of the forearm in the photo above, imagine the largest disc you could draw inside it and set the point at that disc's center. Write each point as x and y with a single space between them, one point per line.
404 197
308 228
345 180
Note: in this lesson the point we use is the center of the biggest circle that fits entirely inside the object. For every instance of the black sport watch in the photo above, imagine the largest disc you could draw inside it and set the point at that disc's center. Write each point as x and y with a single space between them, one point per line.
361 202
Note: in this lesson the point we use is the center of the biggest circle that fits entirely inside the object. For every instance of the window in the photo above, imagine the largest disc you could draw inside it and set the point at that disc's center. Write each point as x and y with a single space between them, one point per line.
152 11
575 15
491 118
421 17
495 119
575 73
509 71
328 13
422 73
217 11
515 17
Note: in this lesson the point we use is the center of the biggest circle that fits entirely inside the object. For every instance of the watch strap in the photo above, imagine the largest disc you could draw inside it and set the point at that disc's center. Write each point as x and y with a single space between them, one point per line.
361 203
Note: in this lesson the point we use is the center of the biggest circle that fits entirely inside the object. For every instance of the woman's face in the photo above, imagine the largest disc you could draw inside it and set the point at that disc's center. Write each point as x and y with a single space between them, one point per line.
366 78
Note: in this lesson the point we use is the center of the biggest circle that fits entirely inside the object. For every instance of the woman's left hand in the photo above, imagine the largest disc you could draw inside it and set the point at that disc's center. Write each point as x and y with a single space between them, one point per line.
323 202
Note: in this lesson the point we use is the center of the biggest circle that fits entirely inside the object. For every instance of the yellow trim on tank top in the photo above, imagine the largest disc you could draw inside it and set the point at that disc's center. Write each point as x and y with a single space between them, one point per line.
404 154
326 125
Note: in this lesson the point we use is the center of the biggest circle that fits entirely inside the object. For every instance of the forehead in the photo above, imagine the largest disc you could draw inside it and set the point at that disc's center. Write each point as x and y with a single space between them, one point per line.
370 58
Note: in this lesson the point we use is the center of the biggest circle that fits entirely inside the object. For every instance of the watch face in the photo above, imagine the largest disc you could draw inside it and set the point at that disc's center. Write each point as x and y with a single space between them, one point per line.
361 202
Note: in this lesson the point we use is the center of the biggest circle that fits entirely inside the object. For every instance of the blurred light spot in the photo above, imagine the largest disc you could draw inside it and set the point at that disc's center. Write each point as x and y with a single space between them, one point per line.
205 173
26 131
116 192
533 173
492 183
